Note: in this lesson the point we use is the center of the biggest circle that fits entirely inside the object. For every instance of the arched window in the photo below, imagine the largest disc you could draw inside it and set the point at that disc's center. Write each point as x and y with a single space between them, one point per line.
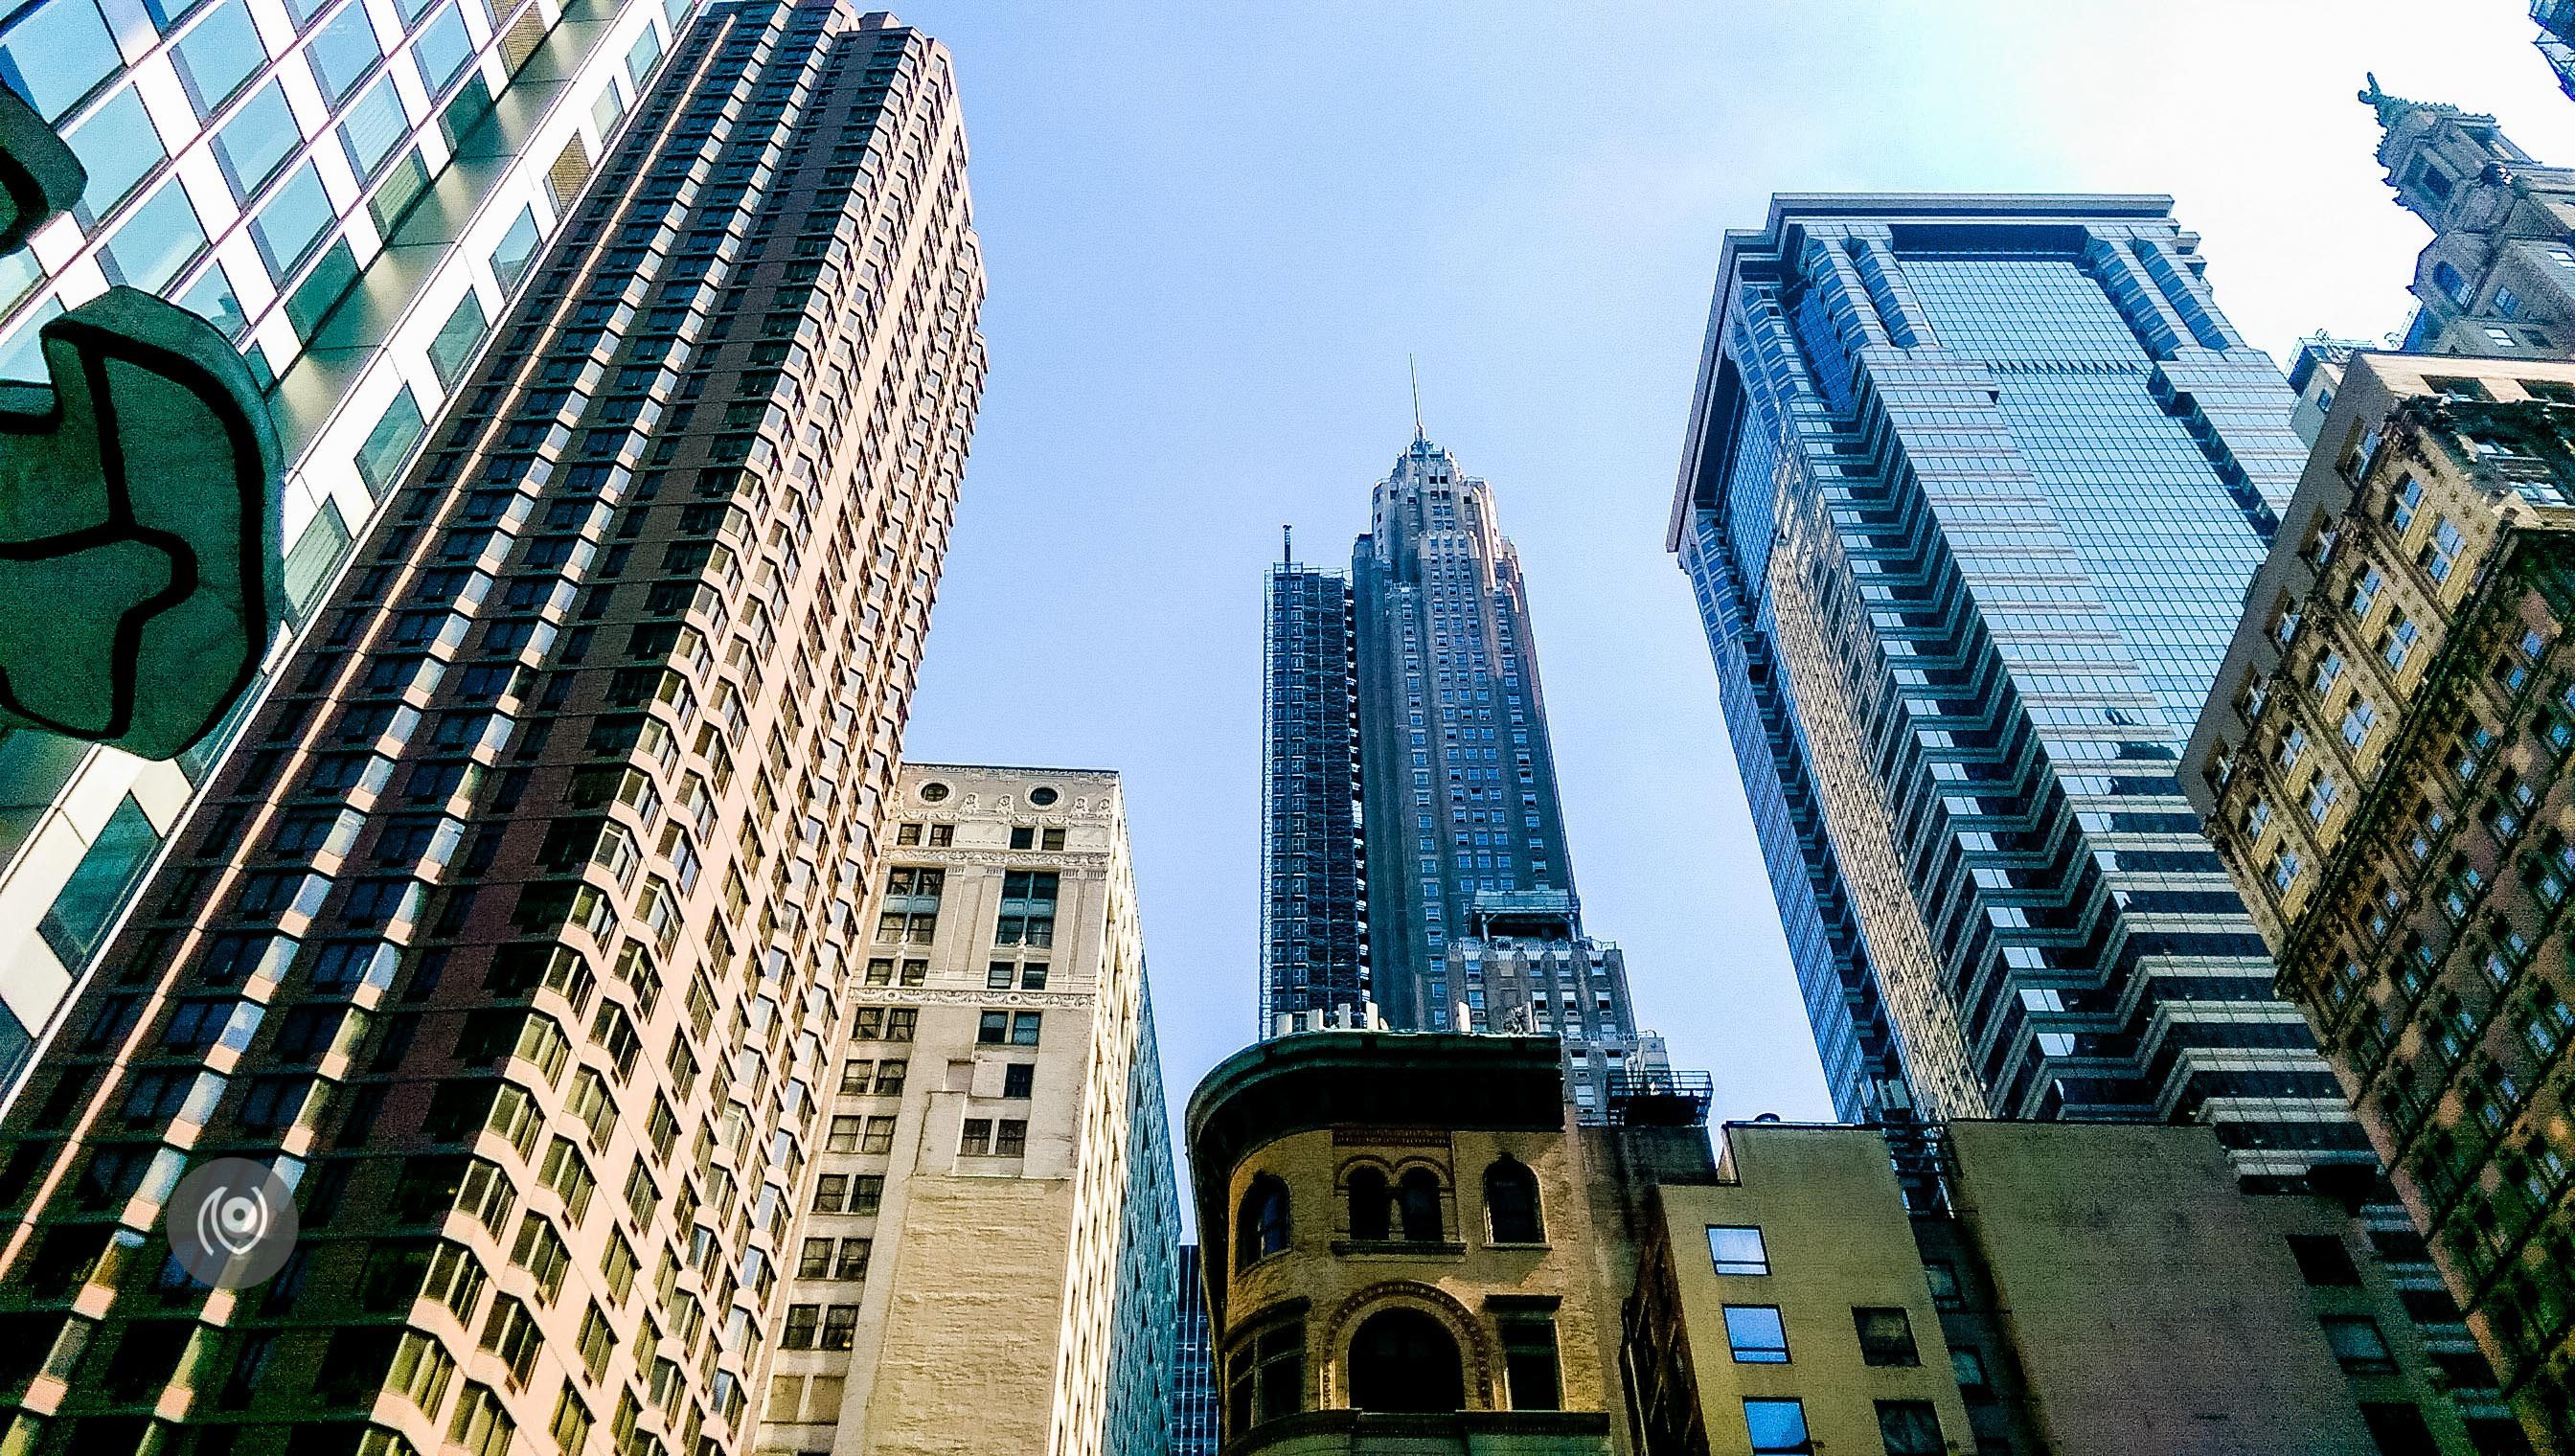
1419 1194
1511 1202
1404 1360
1370 1203
1262 1228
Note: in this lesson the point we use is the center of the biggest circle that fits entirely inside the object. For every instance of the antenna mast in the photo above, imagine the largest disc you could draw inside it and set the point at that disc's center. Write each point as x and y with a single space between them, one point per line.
1412 361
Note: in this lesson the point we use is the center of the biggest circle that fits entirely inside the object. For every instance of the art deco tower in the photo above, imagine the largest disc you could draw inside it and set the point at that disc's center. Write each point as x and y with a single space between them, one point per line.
1420 672
520 936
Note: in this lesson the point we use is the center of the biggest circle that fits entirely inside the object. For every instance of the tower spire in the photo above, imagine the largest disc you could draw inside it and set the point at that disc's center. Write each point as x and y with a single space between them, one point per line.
1412 361
1287 544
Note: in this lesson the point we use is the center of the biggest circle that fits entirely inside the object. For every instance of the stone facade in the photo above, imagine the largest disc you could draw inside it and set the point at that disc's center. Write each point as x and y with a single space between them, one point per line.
1009 1192
1345 1185
2381 764
2498 278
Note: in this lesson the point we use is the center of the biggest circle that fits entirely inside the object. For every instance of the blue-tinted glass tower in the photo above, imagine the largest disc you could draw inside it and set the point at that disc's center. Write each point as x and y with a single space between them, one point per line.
1971 491
1403 702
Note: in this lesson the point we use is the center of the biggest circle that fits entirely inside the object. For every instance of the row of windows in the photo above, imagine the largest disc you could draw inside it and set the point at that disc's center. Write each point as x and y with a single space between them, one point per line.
1408 1208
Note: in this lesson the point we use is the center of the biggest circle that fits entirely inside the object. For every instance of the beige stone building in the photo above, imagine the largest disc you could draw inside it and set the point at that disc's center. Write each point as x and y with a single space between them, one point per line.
1400 1248
2380 764
984 1260
2080 1289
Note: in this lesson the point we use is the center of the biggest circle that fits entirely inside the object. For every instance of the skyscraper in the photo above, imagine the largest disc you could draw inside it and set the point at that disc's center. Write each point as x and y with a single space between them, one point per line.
2556 39
519 937
352 192
1972 487
987 1256
1971 490
2498 278
1405 698
1195 1428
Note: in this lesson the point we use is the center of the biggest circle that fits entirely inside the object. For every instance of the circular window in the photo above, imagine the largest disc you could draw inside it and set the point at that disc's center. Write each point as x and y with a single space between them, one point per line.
1043 796
933 793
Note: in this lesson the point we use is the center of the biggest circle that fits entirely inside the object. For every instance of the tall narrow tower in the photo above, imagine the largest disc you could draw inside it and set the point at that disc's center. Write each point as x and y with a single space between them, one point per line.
1471 920
518 939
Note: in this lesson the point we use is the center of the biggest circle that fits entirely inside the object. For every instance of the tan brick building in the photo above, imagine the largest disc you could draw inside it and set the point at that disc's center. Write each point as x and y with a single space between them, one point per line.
985 1262
2380 764
1400 1248
2080 1289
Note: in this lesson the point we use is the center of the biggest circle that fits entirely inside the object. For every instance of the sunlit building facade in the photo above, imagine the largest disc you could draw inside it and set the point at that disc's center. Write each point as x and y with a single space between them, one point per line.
352 192
521 937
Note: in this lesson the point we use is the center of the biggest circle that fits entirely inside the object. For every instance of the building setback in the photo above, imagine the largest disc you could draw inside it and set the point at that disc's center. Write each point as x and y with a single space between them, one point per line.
350 194
1462 880
987 1258
2381 763
522 934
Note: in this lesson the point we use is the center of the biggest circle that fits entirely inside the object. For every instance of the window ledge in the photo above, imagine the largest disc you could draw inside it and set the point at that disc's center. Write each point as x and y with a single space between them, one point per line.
1397 1248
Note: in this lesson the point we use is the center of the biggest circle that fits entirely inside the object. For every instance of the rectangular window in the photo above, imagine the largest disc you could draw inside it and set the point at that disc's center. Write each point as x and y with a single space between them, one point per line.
217 55
977 1139
1266 1377
117 146
909 913
343 50
1018 1079
1777 1427
1737 1250
1885 1337
58 54
2358 1345
1910 1428
1010 1137
452 348
993 1029
1027 909
2323 1259
516 250
158 239
372 127
853 1261
1756 1334
867 1194
1025 1026
257 141
2397 1428
879 1136
1529 1367
380 457
292 224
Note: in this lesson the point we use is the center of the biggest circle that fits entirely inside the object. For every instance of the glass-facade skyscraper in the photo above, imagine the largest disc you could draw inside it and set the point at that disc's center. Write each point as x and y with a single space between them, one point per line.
1404 699
1971 491
353 190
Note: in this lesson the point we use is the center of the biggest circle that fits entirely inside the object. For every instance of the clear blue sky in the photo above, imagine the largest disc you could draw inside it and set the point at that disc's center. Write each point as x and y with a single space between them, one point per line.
1214 233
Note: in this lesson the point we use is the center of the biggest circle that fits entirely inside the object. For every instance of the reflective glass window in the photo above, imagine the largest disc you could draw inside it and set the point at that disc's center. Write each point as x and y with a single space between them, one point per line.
22 354
452 348
397 431
218 54
373 127
343 49
212 299
167 13
118 146
443 49
57 54
405 181
19 274
517 249
641 56
160 237
258 140
293 222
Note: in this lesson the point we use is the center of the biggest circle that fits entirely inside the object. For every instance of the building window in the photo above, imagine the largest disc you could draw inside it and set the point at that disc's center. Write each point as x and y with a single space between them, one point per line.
1756 1334
800 1322
2398 1429
1372 1205
1018 1079
1969 1368
1737 1250
977 1138
840 1327
1529 1363
2323 1259
1885 1337
1265 1379
1777 1427
879 1136
1027 909
1910 1428
2358 1345
993 1029
1406 1360
910 914
1418 1197
1512 1203
1260 1228
1025 1026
